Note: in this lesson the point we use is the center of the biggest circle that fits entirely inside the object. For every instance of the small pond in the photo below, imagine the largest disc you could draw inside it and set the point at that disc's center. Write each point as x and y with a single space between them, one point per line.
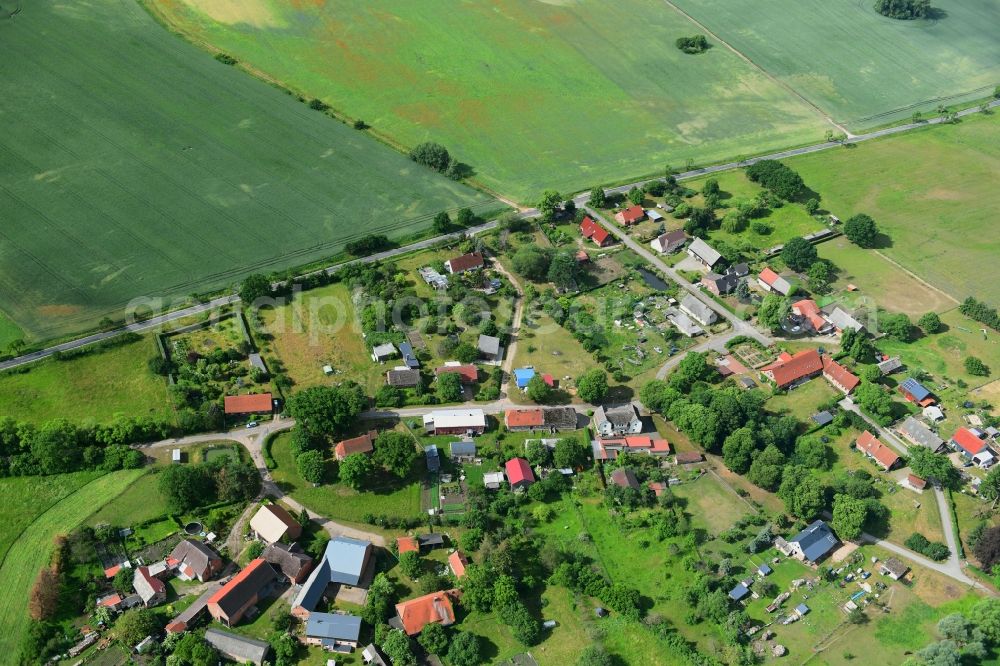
652 279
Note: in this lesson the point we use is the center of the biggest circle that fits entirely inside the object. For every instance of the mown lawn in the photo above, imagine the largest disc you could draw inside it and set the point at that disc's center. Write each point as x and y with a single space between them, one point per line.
716 506
94 388
26 497
139 502
803 401
391 497
32 549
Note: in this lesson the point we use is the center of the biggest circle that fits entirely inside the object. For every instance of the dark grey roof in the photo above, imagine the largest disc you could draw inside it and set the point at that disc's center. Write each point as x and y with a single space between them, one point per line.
239 648
920 434
621 415
816 540
465 448
333 626
895 566
822 418
432 539
489 344
563 418
739 270
404 378
290 559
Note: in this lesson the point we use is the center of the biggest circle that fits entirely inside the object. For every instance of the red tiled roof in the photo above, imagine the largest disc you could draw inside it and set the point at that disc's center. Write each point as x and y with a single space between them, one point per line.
638 443
254 403
968 442
153 581
657 487
793 368
869 443
768 276
111 601
582 256
467 373
807 308
362 444
916 481
457 561
592 230
407 545
176 627
237 581
548 379
631 214
466 262
519 470
524 418
839 375
417 613
111 571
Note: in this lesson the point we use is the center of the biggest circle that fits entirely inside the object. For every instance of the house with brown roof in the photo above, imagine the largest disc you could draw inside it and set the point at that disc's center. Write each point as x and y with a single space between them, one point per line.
669 242
467 262
624 477
467 373
457 562
252 403
524 419
689 457
361 444
809 311
884 456
770 281
273 523
194 560
402 377
290 560
631 215
595 232
244 591
433 608
839 376
793 369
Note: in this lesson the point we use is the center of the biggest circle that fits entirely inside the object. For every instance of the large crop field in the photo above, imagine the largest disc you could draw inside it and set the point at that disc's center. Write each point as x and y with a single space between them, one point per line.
933 192
137 165
30 552
531 94
859 67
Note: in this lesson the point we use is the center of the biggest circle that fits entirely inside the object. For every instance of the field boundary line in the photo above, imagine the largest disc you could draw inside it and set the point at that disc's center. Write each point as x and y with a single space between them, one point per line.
784 86
726 485
918 278
3 560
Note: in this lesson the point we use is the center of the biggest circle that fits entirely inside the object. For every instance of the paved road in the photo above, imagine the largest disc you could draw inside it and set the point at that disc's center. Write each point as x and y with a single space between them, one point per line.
715 343
946 568
739 326
953 566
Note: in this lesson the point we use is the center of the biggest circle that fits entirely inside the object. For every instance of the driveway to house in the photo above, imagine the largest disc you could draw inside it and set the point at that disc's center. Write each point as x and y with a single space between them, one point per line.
515 321
715 343
953 566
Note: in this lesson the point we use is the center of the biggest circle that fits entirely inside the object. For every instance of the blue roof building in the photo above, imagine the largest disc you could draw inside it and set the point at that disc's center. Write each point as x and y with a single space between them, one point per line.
408 358
333 629
802 609
913 390
433 459
522 376
764 570
822 418
739 592
464 448
344 563
813 543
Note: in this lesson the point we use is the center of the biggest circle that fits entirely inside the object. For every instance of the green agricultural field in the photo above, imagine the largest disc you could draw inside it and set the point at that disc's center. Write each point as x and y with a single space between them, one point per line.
31 550
861 68
28 496
531 94
139 502
95 387
137 165
932 192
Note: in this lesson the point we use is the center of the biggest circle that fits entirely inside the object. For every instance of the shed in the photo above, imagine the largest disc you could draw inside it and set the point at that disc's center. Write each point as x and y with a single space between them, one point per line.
739 592
802 609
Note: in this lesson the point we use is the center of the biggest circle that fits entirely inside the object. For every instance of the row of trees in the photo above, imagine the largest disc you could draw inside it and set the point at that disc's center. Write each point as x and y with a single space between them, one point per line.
225 479
58 446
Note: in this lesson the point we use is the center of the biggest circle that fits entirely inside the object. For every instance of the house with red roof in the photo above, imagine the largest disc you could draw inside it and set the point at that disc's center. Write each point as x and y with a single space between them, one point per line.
631 215
413 615
252 403
839 376
457 562
467 373
519 473
362 444
971 443
407 545
524 419
770 281
884 456
244 591
791 370
809 311
595 232
467 262
609 449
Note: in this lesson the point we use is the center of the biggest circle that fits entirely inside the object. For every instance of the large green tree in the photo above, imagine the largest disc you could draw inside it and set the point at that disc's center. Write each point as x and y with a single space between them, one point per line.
849 516
464 650
861 230
396 452
311 466
799 254
592 385
254 287
532 262
326 411
355 470
773 310
449 387
538 390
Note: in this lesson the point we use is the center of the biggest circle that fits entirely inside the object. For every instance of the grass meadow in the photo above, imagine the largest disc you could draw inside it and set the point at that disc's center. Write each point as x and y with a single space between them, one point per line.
339 502
903 66
31 550
95 387
194 176
932 193
592 91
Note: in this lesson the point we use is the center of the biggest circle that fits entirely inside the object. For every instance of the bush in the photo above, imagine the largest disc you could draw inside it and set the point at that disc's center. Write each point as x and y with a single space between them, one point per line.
905 10
932 549
776 178
694 44
432 155
367 245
